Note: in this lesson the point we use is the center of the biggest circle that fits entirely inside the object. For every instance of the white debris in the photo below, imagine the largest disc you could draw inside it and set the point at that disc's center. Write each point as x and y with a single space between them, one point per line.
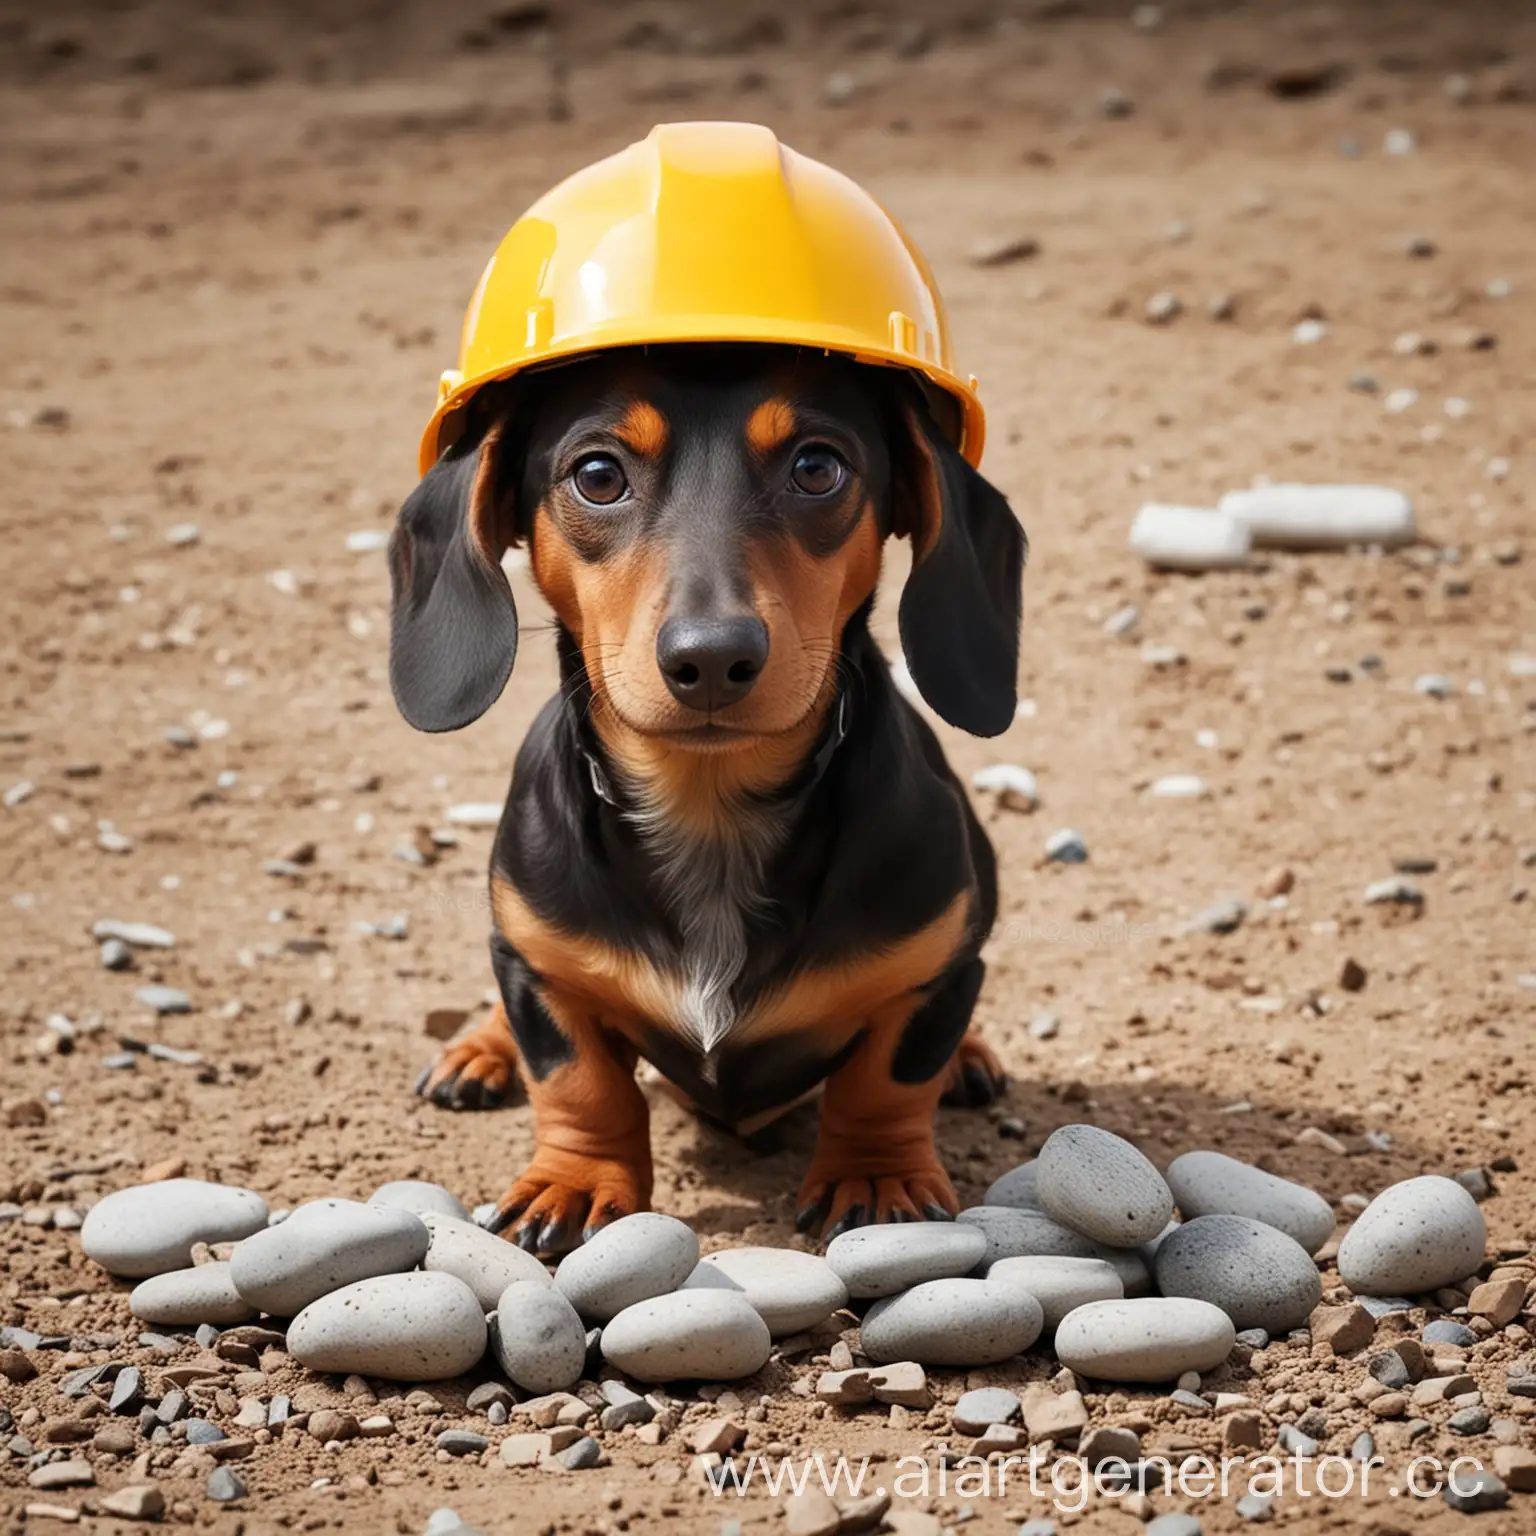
1014 786
1179 786
366 541
1322 516
1309 332
476 813
1189 538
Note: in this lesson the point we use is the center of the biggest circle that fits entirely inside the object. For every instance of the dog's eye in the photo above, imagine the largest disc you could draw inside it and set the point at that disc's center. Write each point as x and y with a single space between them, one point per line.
817 471
599 480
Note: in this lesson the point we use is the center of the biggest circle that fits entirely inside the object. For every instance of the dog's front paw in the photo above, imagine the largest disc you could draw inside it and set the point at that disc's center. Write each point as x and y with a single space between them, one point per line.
837 1202
564 1197
975 1077
476 1072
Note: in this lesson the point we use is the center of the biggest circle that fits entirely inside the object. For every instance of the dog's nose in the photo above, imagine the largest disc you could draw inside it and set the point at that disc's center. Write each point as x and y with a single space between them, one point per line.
709 663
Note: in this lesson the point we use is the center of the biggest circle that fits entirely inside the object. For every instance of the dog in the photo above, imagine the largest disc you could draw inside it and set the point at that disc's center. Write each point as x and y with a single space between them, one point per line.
731 846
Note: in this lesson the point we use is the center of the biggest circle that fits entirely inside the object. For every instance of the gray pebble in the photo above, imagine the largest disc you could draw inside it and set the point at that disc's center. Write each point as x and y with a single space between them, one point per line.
792 1291
1213 1184
586 1452
1384 1306
1013 1233
496 1414
201 1432
1256 1274
172 1406
116 956
1150 1339
1470 1493
224 1485
704 1335
446 1522
540 1341
150 1228
1100 1185
323 1246
1294 1443
1389 1370
956 1322
1059 1283
127 1390
1445 1330
278 1410
1256 1506
404 1327
882 1260
1016 1188
1253 1338
1416 1236
1477 1183
461 1442
1175 1524
1469 1421
206 1335
120 1061
629 1261
1037 1528
985 1406
419 1196
1066 847
1364 1446
487 1264
182 1298
624 1406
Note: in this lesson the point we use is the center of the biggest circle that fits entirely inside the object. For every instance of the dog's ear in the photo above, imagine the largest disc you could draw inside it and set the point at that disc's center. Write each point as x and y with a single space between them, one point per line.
453 624
960 609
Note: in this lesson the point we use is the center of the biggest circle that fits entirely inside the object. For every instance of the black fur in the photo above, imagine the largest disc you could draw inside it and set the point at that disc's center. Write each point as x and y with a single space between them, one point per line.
541 1044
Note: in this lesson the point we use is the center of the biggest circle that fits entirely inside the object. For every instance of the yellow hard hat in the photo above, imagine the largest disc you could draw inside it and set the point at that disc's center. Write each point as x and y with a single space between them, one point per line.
704 232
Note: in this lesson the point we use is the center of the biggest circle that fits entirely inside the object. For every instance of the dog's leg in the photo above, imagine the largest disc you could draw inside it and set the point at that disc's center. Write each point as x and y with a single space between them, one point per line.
975 1076
476 1071
876 1159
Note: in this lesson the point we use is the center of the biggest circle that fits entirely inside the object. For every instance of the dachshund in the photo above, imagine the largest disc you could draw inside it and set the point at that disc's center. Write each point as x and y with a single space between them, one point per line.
731 845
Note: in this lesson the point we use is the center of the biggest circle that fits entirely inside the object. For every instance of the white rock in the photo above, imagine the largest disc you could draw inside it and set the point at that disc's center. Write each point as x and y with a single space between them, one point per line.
1018 1232
139 935
1059 1284
1213 1184
1016 1188
323 1246
703 1335
1256 1274
420 1196
1415 1236
410 1327
955 1322
487 1264
1151 1339
540 1340
634 1258
791 1291
183 1298
367 541
1015 787
1178 786
1098 1184
476 813
881 1260
1188 538
150 1228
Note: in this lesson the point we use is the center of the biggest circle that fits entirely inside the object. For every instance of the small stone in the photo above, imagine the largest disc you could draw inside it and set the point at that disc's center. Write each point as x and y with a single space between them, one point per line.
1100 1185
1446 1330
62 1474
115 955
979 1409
956 1322
629 1261
1004 251
540 1341
1499 1301
1175 1524
710 1335
1151 1339
584 1453
1516 1466
718 1436
1343 1329
1469 1421
461 1442
1163 308
877 1261
1257 1507
135 1501
1352 976
1066 847
224 1485
811 1513
164 1000
790 1291
1470 1493
149 1229
1416 1236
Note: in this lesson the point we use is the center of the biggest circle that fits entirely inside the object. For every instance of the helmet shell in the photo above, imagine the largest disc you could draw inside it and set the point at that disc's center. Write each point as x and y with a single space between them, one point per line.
704 232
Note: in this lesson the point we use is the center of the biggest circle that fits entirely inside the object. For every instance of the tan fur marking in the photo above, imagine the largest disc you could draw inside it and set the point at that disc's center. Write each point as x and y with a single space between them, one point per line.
771 425
644 429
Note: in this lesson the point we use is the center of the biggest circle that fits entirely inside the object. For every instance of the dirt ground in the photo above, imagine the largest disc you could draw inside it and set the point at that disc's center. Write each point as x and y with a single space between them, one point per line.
238 244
